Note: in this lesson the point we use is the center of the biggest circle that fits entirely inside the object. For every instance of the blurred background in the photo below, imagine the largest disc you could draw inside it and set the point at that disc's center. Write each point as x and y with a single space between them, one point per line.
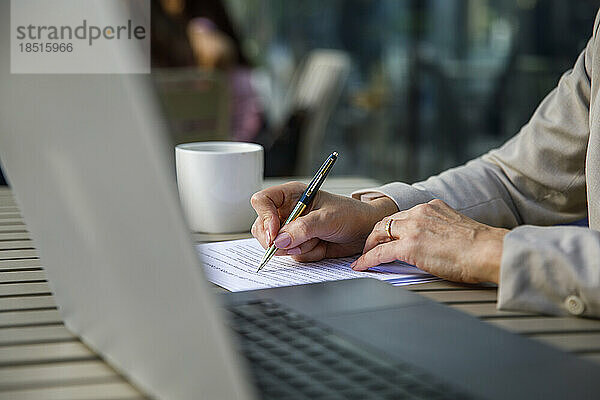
402 89
425 85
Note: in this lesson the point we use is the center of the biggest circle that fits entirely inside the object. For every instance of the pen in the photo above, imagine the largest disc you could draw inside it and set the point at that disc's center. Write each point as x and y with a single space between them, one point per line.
305 200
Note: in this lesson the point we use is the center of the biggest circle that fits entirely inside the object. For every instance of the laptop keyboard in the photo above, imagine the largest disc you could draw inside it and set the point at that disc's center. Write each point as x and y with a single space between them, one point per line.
293 357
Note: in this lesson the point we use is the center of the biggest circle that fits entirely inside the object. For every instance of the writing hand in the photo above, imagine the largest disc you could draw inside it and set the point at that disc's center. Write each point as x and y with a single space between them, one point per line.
333 226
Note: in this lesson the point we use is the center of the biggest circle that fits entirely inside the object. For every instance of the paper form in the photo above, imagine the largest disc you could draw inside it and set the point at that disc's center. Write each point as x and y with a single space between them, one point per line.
232 265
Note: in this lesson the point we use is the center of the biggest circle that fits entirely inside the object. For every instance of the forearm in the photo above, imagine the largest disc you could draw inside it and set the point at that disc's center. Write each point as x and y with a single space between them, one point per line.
473 189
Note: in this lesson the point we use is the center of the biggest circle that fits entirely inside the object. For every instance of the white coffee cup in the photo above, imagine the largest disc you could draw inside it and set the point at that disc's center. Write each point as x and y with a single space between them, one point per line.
216 181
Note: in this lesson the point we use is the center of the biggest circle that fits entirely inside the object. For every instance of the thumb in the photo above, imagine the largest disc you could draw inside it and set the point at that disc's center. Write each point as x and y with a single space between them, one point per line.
309 226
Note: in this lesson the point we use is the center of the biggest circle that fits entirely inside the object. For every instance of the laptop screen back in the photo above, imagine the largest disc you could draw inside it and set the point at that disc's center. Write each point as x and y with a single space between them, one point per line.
87 160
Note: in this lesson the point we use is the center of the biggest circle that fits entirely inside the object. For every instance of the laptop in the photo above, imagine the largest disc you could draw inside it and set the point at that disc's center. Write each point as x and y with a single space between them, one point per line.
86 156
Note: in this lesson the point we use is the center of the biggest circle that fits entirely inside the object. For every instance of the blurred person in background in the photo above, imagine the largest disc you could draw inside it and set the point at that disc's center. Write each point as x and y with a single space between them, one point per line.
491 220
189 33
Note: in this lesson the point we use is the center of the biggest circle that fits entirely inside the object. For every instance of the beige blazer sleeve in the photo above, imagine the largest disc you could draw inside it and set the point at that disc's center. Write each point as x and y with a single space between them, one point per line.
536 178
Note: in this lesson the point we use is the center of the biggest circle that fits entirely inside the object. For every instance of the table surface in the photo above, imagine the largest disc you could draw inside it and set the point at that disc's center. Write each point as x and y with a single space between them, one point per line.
41 359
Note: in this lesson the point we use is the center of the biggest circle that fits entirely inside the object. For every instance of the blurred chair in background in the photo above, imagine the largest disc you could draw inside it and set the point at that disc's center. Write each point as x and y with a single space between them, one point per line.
196 104
314 92
317 91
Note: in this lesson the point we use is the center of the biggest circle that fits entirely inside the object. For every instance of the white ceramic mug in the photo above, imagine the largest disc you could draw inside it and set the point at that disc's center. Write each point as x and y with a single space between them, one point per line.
216 181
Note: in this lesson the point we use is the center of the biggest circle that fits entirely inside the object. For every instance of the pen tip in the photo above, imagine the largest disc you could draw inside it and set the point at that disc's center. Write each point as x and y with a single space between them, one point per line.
335 154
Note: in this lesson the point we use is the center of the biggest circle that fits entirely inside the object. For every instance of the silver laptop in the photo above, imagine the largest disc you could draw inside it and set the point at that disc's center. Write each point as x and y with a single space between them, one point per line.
87 161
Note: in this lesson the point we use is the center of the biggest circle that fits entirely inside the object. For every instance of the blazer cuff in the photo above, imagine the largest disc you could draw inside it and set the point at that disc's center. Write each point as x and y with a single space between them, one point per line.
405 196
552 270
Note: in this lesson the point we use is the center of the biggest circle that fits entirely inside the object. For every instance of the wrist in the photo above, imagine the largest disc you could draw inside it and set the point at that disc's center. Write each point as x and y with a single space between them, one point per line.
373 211
492 255
383 206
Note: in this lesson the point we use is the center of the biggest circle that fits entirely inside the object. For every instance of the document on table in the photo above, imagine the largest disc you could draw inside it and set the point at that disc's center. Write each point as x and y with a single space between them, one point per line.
232 265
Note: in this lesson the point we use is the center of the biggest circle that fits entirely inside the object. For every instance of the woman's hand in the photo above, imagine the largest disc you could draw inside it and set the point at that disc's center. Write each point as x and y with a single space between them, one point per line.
439 240
333 226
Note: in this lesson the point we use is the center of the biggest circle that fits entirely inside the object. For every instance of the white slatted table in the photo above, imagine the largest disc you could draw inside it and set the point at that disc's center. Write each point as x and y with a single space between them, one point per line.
41 359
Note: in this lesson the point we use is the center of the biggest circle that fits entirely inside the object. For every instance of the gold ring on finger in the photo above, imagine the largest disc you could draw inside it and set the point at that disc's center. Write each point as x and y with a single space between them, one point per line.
388 228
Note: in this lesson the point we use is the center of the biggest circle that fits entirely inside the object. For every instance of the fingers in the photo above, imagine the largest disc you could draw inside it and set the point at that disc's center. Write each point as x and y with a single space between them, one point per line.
313 249
379 234
317 253
269 205
267 222
399 236
412 220
261 233
310 226
303 248
383 253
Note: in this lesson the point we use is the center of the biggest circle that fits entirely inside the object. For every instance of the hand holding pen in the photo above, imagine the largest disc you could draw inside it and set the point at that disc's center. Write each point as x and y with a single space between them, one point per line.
304 201
331 226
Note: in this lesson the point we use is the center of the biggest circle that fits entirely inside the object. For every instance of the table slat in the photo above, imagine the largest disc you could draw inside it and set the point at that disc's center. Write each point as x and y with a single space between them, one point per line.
43 353
17 254
8 236
16 245
35 335
10 209
8 319
461 296
26 302
120 390
53 374
538 324
24 289
488 310
16 264
11 220
22 276
13 228
10 215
